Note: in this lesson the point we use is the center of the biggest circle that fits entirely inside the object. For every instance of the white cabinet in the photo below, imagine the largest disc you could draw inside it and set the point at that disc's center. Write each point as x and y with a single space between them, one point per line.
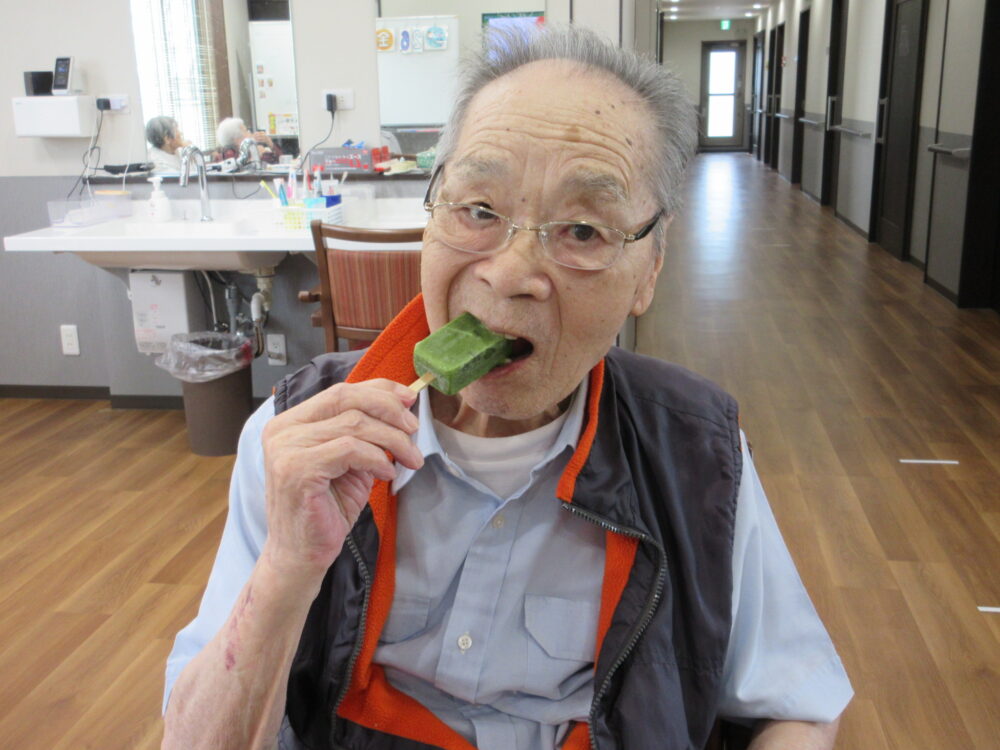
55 116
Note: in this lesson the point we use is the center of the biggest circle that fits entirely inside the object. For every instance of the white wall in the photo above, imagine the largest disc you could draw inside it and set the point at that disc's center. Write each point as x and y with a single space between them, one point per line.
819 55
601 16
335 48
958 86
238 52
862 68
99 37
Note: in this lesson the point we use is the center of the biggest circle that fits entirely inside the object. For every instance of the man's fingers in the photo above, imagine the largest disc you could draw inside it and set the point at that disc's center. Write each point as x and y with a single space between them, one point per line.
381 399
358 424
338 457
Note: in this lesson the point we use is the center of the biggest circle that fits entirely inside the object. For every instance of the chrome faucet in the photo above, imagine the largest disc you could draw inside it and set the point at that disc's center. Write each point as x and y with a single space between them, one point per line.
249 153
187 154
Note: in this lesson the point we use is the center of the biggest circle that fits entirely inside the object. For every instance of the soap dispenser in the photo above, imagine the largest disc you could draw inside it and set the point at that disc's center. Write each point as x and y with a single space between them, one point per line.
159 204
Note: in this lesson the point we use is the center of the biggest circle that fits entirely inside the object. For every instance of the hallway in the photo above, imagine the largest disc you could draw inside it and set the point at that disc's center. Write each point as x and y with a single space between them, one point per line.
844 363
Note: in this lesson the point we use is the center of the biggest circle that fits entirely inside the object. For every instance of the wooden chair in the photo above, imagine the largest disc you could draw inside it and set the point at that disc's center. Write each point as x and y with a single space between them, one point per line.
360 290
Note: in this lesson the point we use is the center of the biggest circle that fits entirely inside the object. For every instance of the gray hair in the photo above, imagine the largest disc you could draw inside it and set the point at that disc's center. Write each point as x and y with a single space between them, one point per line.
158 129
675 134
228 132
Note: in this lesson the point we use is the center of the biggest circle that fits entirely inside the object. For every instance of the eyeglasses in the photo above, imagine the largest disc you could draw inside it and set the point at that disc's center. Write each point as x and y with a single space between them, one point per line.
583 245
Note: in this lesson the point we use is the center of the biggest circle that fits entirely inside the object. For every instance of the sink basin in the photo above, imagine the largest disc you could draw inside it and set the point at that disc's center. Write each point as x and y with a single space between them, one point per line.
187 229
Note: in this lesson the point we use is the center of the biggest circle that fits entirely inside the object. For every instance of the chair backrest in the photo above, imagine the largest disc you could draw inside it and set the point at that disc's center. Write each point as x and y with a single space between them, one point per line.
362 290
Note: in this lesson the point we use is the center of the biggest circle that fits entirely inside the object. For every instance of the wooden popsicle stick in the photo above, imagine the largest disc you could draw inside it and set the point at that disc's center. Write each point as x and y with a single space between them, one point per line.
422 382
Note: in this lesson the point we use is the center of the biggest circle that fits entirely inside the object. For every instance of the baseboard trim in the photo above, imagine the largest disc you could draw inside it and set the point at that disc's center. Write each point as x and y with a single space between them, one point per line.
915 262
851 224
77 392
147 402
98 393
942 290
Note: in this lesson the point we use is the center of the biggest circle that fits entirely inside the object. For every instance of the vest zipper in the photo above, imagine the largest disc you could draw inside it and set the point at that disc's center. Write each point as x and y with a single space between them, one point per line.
648 611
358 642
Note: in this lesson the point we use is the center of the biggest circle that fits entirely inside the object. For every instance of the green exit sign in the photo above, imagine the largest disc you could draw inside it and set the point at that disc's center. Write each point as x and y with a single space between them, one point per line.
724 25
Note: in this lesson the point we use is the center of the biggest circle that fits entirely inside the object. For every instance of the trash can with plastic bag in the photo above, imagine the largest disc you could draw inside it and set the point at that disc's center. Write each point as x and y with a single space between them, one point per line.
218 396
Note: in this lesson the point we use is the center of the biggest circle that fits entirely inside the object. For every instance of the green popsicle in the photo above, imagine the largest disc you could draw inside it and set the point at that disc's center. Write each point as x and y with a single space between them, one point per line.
458 353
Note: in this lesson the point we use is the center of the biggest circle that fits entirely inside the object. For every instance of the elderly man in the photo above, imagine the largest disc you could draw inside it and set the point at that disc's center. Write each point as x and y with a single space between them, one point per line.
575 550
232 132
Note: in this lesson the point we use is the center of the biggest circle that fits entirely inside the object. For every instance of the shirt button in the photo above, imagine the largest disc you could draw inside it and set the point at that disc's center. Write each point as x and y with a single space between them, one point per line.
464 642
498 521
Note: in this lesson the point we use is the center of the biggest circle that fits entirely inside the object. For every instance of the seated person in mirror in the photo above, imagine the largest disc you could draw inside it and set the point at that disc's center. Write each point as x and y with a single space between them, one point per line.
165 143
232 132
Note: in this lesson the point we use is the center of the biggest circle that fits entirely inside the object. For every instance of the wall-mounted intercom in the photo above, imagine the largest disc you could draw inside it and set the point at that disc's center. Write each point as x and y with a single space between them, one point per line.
65 78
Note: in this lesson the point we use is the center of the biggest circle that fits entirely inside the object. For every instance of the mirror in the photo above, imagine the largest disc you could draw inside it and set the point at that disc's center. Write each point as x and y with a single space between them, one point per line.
420 44
201 61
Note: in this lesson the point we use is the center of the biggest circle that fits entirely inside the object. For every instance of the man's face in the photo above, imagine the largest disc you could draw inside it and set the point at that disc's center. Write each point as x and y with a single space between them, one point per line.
550 141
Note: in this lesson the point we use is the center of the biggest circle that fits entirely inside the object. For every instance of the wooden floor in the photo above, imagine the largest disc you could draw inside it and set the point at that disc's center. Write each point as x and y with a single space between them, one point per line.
843 361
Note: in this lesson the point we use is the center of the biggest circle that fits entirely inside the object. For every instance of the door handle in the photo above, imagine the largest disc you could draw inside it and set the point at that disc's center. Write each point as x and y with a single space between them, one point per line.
831 107
880 117
958 153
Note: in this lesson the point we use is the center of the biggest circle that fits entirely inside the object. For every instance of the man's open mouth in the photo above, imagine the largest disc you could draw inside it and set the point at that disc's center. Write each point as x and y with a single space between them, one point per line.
520 348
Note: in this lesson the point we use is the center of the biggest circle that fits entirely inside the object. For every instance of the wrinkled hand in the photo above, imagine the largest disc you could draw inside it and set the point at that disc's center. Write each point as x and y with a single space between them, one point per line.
321 458
263 138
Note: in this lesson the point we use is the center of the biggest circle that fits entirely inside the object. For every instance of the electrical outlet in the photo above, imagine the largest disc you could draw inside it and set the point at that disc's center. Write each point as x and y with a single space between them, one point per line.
276 354
119 102
345 98
70 340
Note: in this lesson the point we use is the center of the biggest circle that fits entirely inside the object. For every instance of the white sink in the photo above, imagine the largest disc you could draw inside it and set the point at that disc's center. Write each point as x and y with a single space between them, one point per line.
244 235
187 229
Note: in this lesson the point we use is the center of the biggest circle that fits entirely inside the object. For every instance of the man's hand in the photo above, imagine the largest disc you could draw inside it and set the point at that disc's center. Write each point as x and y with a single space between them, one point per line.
263 139
321 458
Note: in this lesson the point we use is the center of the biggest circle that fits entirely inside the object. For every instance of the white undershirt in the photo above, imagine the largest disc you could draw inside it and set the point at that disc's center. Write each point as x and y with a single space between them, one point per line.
503 464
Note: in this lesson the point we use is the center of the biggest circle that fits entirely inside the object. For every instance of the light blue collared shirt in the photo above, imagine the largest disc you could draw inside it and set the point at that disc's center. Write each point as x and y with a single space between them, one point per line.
494 628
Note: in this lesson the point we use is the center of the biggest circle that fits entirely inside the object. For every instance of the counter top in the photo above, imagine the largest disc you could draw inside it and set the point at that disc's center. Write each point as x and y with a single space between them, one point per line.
243 235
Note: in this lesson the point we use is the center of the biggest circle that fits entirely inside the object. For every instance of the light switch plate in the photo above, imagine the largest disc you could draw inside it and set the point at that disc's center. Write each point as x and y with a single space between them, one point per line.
70 340
276 354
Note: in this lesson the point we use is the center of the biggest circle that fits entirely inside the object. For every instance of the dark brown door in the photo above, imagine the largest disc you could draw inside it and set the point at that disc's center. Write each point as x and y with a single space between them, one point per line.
768 115
757 108
800 97
779 63
834 102
896 125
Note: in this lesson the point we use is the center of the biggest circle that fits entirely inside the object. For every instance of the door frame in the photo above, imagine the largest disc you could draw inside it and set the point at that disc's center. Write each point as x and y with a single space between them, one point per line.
757 96
834 103
778 77
798 128
769 95
739 102
881 112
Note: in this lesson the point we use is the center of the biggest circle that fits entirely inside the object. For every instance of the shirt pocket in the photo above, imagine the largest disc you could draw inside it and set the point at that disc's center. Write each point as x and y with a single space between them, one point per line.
407 618
562 637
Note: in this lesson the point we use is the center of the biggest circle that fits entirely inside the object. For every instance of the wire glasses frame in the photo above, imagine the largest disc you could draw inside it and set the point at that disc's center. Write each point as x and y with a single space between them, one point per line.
555 236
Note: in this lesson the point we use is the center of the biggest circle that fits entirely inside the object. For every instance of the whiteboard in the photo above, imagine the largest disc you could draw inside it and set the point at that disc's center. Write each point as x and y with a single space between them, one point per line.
417 83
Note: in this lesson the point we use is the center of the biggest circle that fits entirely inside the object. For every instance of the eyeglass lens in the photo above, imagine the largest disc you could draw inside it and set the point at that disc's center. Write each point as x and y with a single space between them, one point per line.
476 229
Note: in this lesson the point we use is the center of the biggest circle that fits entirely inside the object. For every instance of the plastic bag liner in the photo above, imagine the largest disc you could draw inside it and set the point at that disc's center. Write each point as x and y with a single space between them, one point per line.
205 355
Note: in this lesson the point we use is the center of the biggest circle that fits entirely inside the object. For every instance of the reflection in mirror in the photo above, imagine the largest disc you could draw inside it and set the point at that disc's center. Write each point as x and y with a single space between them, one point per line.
420 43
202 61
